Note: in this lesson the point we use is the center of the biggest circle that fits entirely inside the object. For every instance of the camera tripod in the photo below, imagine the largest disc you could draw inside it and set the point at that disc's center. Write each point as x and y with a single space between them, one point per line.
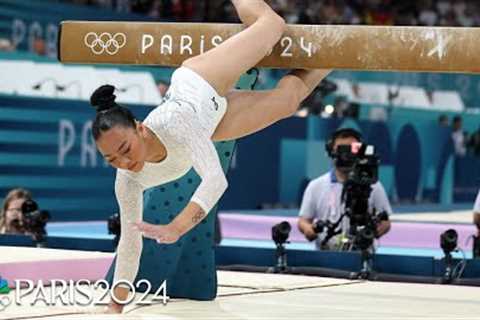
281 256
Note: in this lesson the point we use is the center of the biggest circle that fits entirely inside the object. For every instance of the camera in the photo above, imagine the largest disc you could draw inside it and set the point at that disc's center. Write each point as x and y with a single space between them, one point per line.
320 225
35 220
280 232
329 227
363 163
448 240
448 243
362 174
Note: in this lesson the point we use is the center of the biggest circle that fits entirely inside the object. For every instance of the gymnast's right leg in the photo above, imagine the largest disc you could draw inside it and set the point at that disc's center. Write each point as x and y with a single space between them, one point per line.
222 66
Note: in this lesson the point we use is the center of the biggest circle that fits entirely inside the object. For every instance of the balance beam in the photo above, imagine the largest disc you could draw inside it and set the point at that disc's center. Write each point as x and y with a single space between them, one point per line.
379 48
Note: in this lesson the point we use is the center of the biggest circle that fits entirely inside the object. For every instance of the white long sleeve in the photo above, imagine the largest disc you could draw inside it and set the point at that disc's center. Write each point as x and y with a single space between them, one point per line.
206 163
129 195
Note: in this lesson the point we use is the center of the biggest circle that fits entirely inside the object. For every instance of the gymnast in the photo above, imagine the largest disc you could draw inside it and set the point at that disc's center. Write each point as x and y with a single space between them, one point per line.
199 107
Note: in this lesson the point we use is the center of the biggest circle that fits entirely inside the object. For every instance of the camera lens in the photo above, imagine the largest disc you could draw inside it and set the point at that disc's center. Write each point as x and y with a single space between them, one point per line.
448 240
280 232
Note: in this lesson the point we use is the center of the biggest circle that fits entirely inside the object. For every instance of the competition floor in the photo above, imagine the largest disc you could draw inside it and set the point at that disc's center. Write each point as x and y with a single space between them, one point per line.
268 296
252 295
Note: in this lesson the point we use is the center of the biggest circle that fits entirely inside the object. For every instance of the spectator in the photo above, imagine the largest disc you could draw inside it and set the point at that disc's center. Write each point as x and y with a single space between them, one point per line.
322 198
141 6
6 45
443 7
11 217
406 15
428 16
39 46
156 10
347 15
459 137
466 16
448 20
377 12
443 121
304 15
183 10
226 13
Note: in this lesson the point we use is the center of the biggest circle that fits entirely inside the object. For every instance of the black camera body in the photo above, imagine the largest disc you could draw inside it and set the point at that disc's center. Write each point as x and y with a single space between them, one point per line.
35 220
319 226
362 163
359 162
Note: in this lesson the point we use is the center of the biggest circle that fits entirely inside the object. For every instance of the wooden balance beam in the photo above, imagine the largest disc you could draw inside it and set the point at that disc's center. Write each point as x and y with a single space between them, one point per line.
381 48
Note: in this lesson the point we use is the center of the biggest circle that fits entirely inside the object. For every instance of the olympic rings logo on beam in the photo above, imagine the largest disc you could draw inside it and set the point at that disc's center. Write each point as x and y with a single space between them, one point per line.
105 42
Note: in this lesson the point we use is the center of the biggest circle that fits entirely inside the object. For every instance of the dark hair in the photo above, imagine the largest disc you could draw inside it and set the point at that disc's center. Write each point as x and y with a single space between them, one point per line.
457 119
347 133
12 195
109 113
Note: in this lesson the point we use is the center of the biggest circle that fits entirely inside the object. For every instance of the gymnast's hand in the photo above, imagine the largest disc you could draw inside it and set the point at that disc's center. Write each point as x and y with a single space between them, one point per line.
162 233
113 308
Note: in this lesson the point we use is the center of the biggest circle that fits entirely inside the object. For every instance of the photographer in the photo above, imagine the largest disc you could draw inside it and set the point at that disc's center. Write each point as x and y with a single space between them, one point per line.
11 217
322 203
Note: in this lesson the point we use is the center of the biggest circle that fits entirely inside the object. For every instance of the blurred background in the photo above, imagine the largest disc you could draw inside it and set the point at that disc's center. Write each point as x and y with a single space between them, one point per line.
425 127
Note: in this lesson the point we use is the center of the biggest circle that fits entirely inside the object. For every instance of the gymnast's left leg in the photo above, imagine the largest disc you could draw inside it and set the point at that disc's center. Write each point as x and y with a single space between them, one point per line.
251 111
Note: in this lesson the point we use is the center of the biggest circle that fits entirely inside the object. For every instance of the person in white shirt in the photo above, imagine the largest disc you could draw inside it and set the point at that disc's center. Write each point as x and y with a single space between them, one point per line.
178 134
322 199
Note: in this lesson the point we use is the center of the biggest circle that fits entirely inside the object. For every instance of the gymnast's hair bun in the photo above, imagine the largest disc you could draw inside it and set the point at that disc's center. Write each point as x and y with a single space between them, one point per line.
103 98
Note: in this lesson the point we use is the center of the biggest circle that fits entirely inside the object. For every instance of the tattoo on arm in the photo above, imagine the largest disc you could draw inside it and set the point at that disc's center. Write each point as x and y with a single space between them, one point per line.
199 215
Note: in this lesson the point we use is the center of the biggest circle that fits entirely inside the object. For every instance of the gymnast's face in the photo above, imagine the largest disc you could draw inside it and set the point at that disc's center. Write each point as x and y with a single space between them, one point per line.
124 148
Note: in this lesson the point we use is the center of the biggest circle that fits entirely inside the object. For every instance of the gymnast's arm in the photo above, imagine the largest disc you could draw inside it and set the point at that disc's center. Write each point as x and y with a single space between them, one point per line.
214 183
129 195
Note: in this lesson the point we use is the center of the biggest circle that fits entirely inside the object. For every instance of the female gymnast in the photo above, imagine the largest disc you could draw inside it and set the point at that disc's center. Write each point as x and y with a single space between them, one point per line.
178 134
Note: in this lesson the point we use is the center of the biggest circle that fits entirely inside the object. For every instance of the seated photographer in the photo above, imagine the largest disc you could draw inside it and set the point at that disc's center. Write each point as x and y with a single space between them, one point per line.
11 217
326 200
